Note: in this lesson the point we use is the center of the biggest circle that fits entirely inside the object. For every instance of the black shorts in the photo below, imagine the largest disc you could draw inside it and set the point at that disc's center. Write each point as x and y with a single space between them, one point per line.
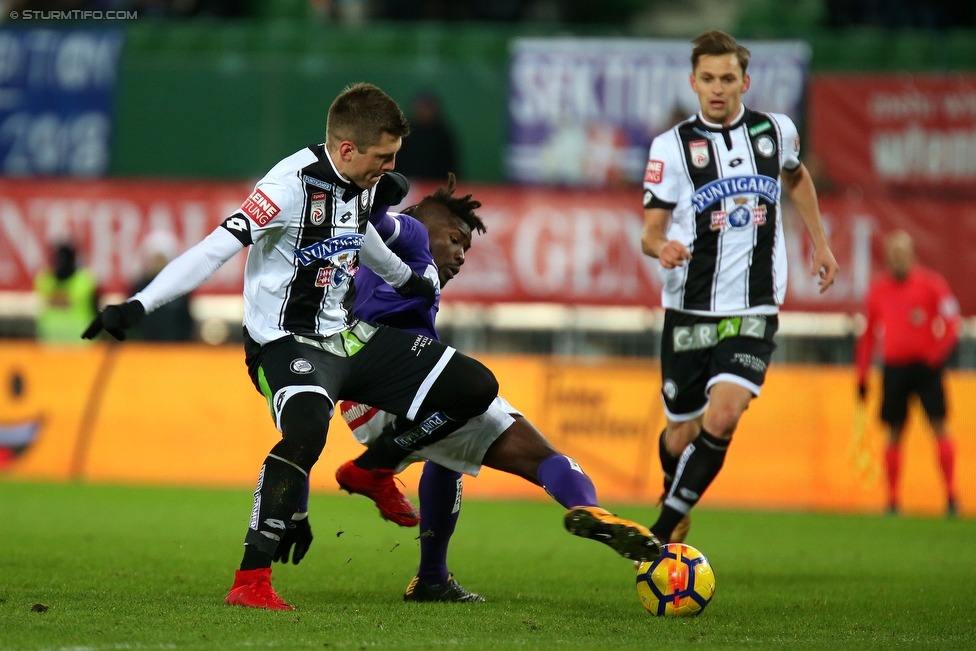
902 381
372 364
698 351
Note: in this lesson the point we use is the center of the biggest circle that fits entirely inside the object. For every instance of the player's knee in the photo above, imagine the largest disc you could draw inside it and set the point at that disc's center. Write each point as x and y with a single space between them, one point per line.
723 426
305 425
722 421
475 390
679 435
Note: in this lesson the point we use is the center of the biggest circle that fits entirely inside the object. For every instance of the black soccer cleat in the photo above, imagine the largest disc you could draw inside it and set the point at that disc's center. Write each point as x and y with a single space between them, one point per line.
629 539
450 590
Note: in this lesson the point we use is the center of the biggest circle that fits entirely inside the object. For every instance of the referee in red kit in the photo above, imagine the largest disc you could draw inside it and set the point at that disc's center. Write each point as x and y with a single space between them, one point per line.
912 310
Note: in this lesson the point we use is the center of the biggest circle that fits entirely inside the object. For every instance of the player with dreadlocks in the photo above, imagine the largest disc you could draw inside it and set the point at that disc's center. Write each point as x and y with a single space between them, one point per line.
432 237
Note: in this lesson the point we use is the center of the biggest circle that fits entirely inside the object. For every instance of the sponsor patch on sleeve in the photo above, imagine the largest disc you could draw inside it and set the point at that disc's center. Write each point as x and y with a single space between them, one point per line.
654 172
260 208
796 145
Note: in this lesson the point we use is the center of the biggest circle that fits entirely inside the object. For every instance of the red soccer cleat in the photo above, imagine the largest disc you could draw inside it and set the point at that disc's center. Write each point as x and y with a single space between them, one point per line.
377 484
252 589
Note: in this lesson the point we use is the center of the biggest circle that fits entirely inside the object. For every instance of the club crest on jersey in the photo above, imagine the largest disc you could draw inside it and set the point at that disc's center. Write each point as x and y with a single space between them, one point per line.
736 186
317 212
741 217
334 276
765 146
260 208
699 153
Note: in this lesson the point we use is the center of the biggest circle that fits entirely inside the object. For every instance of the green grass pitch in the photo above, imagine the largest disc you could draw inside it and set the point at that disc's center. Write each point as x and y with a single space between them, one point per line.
147 568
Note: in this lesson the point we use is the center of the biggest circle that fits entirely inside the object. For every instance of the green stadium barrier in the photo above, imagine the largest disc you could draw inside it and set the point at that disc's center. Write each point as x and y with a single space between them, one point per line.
229 99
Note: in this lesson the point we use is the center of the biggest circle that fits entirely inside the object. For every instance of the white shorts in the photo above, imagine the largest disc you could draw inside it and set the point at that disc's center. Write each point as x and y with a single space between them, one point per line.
461 451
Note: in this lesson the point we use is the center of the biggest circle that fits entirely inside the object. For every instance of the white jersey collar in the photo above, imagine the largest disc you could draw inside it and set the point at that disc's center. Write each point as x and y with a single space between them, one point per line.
328 156
719 127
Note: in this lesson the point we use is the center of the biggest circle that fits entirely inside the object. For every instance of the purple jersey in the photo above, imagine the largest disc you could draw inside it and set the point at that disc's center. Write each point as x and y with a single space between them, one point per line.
377 301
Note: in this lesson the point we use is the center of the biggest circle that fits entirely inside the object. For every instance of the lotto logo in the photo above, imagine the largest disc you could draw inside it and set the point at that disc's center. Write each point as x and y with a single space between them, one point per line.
260 208
654 172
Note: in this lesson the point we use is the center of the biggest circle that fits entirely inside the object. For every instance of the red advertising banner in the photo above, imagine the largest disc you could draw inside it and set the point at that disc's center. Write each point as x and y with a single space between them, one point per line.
884 131
109 221
542 245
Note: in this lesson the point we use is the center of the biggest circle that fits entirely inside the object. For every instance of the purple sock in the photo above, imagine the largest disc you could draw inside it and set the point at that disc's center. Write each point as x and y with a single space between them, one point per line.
440 505
566 482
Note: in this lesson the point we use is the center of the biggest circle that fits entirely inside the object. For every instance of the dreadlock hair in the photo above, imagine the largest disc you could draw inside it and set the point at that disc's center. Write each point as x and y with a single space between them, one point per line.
463 207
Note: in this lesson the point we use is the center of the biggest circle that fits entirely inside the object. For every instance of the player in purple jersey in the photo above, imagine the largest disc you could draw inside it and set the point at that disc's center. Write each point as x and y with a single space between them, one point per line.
432 237
410 236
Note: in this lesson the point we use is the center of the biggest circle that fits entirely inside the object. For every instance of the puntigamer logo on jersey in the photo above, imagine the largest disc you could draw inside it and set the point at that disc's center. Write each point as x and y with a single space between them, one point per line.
334 249
260 208
341 255
736 186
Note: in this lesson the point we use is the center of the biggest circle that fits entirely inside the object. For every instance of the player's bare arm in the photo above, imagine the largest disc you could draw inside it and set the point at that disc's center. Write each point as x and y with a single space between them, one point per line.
799 187
655 242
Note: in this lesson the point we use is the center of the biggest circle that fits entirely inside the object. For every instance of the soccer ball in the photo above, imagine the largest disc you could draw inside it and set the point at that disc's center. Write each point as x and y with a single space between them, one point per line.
678 584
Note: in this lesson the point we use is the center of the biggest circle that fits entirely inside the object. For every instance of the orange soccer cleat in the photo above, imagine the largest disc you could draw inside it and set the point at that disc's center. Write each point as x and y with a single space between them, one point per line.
627 538
377 484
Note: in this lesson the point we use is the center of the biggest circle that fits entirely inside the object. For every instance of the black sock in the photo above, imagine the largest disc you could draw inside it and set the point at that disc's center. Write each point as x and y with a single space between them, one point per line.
280 486
698 466
284 475
405 437
669 462
254 558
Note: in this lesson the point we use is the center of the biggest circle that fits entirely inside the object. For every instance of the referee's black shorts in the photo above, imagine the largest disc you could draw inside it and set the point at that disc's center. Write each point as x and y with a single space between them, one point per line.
902 381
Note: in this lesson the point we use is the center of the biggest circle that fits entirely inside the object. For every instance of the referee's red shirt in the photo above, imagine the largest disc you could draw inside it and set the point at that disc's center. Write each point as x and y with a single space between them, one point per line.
917 320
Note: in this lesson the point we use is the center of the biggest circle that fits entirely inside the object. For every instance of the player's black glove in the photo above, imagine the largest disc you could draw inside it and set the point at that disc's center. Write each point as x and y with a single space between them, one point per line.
115 320
417 285
391 189
862 391
297 535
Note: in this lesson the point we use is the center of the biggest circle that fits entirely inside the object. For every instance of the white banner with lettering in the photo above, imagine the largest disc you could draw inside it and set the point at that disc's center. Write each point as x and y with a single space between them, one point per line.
584 111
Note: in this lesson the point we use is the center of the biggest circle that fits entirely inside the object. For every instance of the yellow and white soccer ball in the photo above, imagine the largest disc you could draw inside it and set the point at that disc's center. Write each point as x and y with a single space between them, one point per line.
678 584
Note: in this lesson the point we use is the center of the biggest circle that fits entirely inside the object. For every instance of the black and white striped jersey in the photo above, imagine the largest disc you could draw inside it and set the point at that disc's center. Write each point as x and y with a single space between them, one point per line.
305 224
723 188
